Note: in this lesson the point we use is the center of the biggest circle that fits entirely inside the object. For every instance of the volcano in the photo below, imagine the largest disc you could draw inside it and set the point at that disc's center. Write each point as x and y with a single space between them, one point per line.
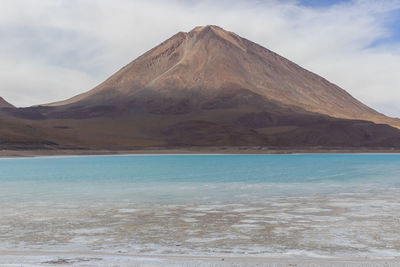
211 87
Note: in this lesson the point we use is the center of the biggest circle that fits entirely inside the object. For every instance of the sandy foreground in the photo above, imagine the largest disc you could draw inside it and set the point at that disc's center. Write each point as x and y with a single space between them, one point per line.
189 150
49 258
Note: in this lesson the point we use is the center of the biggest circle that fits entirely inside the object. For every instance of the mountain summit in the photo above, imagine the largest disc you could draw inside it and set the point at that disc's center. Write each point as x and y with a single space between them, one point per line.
211 87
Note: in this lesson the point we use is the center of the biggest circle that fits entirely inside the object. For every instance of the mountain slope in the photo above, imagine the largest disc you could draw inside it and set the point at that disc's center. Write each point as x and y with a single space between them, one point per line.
209 63
5 104
207 87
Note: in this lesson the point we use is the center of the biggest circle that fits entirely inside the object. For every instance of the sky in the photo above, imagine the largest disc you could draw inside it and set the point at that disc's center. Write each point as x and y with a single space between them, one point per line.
51 50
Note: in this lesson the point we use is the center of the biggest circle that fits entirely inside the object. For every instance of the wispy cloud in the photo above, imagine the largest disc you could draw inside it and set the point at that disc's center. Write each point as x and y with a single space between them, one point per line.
54 49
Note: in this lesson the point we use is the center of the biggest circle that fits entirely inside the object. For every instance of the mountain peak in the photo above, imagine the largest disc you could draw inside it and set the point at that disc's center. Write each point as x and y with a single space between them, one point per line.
206 28
233 38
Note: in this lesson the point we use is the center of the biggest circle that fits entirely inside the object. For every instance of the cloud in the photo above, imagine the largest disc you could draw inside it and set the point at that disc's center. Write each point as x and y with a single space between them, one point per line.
53 49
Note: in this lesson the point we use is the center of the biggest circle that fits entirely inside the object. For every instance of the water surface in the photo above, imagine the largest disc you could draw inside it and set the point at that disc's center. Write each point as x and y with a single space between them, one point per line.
265 205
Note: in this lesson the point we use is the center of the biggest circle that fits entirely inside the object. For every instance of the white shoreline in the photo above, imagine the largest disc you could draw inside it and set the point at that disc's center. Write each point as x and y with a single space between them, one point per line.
151 154
17 153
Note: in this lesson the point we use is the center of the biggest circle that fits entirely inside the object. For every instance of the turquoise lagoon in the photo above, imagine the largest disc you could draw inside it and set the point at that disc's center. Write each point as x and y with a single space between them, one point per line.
322 205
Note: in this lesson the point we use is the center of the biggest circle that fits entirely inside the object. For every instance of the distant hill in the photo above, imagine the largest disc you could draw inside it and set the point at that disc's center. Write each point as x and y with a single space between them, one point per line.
211 87
5 104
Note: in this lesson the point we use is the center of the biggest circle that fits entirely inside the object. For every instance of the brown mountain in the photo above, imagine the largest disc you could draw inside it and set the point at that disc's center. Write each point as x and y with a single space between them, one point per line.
5 104
212 64
210 87
18 133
